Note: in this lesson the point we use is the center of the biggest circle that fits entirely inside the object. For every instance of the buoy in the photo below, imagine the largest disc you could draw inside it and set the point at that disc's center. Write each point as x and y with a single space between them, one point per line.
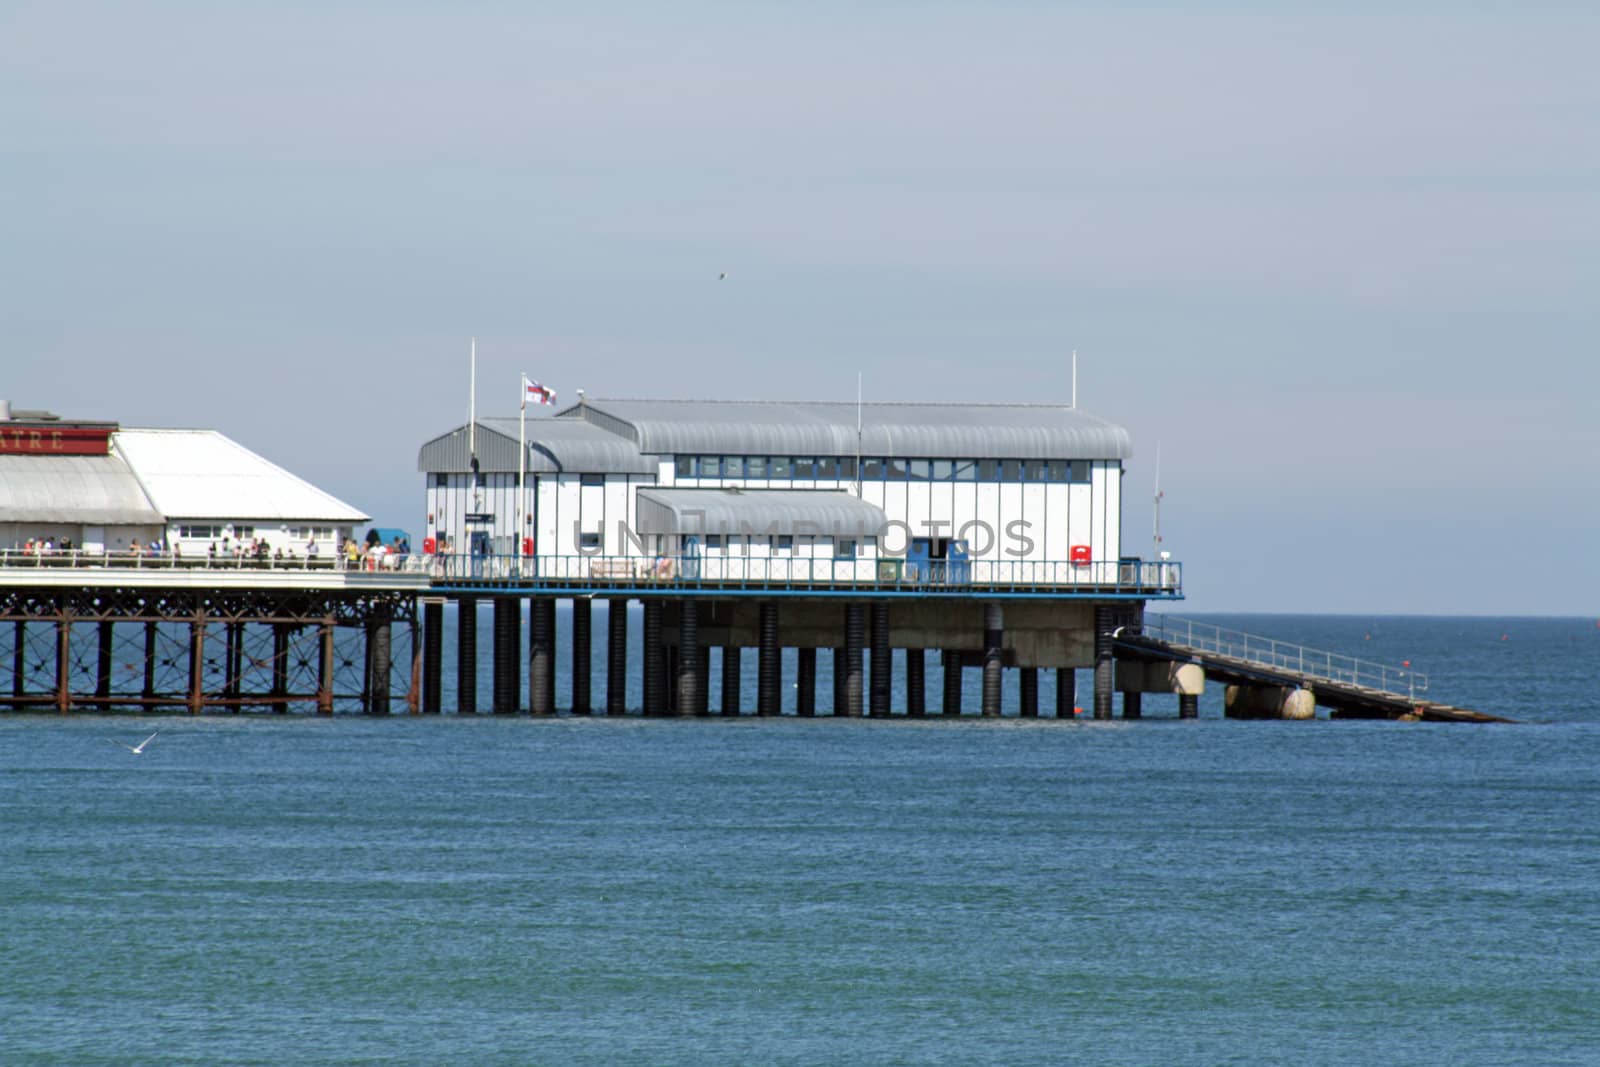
1077 711
1505 637
1405 663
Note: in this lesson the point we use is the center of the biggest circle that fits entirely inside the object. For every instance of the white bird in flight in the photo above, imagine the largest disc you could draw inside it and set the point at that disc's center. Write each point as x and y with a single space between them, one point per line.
137 750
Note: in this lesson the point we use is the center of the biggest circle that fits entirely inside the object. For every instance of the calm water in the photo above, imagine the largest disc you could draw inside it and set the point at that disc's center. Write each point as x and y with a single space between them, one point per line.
480 890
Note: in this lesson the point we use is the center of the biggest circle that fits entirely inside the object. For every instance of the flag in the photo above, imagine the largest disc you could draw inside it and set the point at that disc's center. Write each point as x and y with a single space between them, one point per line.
537 393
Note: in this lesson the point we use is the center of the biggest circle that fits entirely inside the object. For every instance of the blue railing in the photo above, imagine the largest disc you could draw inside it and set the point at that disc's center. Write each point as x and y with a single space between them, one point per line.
1162 579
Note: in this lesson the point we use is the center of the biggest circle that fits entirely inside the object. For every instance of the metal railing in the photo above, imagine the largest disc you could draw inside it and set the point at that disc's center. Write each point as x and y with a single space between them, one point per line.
1285 656
19 559
1164 578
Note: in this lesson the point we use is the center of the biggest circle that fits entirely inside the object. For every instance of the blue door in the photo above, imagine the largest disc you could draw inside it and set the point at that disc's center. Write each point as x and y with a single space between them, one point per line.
917 556
480 551
960 570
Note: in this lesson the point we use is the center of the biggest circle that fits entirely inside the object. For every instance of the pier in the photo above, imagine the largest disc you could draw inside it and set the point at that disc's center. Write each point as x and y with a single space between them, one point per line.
177 571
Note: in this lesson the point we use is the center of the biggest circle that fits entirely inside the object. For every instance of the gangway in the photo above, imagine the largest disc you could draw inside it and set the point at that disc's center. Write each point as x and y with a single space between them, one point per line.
1349 687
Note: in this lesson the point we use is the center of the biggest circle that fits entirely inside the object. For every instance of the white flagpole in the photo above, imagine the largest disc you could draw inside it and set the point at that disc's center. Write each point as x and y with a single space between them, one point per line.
472 403
522 467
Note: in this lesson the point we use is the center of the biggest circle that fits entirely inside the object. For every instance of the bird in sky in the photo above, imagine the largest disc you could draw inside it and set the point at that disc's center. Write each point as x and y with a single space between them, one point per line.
137 750
722 277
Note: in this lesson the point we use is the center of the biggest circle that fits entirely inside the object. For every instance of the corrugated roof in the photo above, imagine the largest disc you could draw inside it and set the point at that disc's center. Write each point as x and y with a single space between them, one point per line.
81 490
570 446
818 512
201 474
810 428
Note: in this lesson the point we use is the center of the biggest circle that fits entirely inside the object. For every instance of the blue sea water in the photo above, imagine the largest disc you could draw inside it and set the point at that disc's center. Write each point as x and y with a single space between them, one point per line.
471 889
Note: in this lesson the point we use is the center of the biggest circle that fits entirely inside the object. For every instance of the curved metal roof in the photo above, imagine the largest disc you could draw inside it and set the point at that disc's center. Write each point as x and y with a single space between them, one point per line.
805 428
758 512
81 490
571 446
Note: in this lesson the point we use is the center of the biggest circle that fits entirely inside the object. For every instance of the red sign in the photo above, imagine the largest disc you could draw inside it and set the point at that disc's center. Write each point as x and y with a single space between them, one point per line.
54 440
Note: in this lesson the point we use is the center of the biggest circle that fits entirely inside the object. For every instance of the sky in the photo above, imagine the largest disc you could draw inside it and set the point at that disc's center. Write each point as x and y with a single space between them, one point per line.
1338 267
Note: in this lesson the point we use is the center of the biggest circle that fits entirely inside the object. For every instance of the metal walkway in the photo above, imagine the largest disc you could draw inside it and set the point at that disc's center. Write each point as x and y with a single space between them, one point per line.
1351 688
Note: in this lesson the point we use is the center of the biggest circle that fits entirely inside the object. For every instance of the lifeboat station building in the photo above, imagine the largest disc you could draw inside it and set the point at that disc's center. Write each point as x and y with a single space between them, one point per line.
991 532
788 492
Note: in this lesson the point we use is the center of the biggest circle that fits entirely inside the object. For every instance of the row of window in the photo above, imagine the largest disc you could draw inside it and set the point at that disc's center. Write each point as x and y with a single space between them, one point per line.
878 469
844 548
873 469
240 532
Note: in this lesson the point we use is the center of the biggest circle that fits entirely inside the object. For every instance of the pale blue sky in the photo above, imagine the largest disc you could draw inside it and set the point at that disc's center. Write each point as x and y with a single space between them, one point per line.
1342 266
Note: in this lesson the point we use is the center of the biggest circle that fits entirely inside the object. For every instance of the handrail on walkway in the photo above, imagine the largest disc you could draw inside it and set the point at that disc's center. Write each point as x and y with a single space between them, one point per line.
1163 578
1284 655
14 559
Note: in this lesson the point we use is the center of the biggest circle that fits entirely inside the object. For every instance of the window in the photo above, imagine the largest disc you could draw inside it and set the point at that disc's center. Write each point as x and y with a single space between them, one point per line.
713 540
733 466
1059 469
827 467
805 467
592 479
755 467
778 467
894 470
1079 471
988 470
684 467
710 466
243 531
966 470
872 469
783 542
589 541
943 469
1011 470
847 467
918 470
441 480
844 548
203 533
1035 470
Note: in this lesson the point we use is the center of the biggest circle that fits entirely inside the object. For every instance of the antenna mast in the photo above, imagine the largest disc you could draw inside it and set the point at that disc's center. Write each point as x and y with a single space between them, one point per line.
472 403
858 433
1156 533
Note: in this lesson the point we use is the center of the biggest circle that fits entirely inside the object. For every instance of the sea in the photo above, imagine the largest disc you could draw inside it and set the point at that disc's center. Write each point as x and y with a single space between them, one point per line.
471 889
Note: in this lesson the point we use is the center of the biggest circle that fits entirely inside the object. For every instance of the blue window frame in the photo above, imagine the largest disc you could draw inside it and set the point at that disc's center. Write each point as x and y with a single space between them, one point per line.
710 467
684 467
733 466
778 467
755 466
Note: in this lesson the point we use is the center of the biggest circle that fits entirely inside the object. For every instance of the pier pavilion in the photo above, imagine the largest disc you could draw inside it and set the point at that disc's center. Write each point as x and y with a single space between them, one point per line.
121 586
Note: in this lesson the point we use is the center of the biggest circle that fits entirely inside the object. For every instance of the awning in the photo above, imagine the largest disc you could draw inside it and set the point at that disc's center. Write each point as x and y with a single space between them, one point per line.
758 512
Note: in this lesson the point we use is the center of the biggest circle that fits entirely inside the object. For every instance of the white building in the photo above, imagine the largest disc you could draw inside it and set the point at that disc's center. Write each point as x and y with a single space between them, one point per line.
102 488
785 490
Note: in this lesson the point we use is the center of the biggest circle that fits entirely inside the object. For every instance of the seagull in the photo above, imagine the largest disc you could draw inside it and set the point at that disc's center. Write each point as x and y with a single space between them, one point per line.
137 750
722 277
